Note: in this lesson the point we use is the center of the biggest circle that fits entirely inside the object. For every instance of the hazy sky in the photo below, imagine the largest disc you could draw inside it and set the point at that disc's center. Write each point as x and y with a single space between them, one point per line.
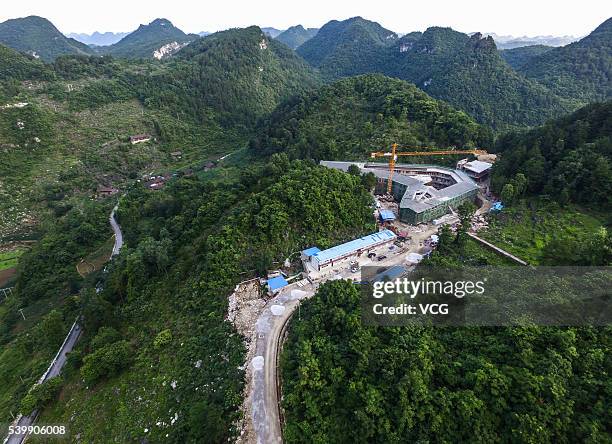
514 17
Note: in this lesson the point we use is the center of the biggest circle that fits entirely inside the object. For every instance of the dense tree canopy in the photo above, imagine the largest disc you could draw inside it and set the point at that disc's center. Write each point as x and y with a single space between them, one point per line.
581 70
440 384
569 158
355 116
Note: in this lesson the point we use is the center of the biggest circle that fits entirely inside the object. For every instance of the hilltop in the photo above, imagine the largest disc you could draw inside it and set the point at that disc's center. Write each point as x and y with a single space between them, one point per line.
349 47
296 36
38 37
158 39
239 72
353 116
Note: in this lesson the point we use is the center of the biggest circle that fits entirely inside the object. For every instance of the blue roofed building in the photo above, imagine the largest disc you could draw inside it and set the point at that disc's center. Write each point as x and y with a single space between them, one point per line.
276 283
308 252
350 250
386 215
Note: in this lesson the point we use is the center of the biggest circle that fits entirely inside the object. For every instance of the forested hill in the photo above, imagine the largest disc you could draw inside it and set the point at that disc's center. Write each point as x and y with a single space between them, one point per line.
147 39
353 116
18 66
465 71
519 57
569 159
37 36
581 70
469 73
241 74
296 36
74 131
420 384
349 47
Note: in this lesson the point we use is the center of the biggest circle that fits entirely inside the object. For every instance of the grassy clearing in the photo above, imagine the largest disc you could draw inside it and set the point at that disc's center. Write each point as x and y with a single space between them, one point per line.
477 253
9 259
96 260
525 228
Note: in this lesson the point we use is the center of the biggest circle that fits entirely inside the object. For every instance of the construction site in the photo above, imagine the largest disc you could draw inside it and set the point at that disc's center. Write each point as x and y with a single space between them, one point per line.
412 202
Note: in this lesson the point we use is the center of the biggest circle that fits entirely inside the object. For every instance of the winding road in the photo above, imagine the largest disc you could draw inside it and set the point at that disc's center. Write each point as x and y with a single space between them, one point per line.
270 327
60 358
117 230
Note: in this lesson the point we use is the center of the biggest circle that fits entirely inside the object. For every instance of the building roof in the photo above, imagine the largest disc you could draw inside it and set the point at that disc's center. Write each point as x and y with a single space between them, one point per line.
310 251
418 196
354 245
276 283
477 166
386 215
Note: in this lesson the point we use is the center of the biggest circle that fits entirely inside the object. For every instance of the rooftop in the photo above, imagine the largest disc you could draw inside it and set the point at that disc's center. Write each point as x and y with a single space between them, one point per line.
310 251
277 282
354 245
386 215
418 196
477 166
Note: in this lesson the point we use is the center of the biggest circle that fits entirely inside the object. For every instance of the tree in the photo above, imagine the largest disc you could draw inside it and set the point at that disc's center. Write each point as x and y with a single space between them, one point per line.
368 180
354 170
466 211
520 184
507 194
40 395
106 361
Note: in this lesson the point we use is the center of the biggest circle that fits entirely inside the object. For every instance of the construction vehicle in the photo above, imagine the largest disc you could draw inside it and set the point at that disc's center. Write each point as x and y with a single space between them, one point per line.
393 155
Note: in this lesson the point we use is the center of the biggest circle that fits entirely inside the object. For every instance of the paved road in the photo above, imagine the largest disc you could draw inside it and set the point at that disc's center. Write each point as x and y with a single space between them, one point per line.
69 342
270 326
54 370
117 231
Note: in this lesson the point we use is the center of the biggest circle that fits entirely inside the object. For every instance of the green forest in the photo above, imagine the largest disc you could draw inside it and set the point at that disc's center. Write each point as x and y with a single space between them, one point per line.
526 384
353 117
194 240
567 159
465 71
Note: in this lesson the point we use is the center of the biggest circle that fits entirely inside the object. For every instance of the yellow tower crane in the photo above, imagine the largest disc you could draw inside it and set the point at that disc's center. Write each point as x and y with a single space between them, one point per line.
394 154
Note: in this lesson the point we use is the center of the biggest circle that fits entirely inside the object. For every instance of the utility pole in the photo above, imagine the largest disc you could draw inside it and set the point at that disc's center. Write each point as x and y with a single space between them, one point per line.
21 311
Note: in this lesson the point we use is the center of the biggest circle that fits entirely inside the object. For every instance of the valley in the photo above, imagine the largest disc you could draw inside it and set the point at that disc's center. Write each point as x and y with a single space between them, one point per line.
261 160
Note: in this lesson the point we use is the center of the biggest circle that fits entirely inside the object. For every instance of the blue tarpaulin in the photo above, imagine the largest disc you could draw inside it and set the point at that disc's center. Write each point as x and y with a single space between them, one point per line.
497 206
277 283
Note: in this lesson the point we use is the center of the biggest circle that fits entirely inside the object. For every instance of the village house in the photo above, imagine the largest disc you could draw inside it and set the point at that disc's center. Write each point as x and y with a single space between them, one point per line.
138 138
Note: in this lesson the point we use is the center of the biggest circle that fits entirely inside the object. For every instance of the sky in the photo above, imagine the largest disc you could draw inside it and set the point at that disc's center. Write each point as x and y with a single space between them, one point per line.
508 17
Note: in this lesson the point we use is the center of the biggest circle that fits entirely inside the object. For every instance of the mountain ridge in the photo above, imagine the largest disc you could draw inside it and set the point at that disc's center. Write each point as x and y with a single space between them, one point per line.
296 36
150 40
38 37
581 70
